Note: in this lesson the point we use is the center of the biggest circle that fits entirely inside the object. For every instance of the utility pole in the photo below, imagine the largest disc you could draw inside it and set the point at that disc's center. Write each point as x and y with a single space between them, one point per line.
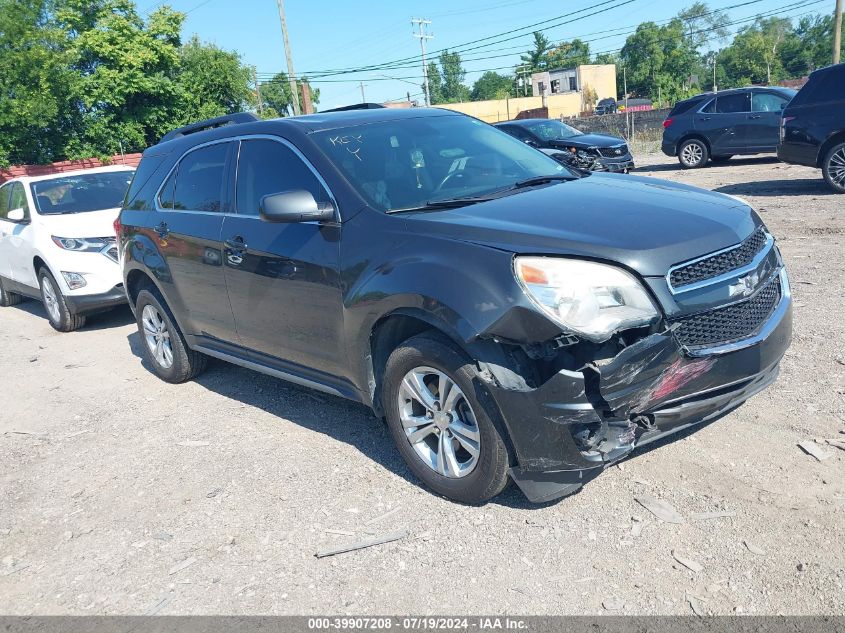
423 36
363 98
837 31
291 74
257 91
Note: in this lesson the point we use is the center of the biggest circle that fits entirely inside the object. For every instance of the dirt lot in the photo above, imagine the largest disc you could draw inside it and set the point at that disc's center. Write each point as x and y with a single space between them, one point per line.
120 494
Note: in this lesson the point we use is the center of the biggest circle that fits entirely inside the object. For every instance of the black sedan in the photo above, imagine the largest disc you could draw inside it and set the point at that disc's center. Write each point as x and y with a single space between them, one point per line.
594 152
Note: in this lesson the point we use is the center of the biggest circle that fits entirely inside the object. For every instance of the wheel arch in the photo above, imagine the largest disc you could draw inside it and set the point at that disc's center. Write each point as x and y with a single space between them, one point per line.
834 139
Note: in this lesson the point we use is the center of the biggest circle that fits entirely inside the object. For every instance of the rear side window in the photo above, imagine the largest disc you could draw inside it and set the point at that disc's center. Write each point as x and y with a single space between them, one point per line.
822 88
767 102
731 104
198 183
266 167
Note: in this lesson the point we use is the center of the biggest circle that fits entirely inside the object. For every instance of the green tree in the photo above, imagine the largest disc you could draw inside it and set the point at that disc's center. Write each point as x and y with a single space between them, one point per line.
702 25
535 59
491 85
124 89
212 82
660 61
35 84
568 55
446 82
754 55
277 98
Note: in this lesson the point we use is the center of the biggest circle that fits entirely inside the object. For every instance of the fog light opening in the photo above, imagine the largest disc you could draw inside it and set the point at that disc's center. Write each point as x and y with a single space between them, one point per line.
74 280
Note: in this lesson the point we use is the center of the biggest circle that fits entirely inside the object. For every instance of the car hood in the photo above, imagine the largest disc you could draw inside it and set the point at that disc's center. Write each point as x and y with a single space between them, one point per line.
645 224
86 224
588 140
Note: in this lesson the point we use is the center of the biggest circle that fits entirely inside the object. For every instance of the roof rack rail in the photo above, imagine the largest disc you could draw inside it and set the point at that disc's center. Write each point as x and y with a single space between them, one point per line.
357 106
226 119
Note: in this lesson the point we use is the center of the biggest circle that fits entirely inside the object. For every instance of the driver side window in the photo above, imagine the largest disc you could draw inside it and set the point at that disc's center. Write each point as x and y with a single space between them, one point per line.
4 200
17 200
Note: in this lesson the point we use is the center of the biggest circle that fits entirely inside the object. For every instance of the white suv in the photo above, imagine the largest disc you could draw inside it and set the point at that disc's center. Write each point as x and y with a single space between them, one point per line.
57 242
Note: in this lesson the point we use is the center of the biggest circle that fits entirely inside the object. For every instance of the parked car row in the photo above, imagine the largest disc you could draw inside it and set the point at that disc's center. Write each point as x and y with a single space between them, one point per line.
806 127
511 318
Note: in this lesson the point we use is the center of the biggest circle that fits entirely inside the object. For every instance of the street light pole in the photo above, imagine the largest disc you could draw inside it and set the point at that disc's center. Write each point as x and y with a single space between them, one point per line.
291 74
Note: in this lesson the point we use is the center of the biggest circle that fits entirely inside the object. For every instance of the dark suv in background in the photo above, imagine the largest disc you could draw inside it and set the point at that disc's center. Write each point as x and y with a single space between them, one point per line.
509 317
720 125
813 126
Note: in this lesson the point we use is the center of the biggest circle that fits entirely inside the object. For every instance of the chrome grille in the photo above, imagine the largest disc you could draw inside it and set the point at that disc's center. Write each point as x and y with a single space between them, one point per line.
740 255
730 323
613 152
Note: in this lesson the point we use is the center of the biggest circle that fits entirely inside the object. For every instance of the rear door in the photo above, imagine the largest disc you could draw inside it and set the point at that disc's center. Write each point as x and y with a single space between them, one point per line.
762 129
191 206
283 279
722 122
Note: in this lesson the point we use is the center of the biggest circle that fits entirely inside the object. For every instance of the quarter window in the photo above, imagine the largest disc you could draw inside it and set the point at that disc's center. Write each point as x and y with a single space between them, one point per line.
198 183
266 167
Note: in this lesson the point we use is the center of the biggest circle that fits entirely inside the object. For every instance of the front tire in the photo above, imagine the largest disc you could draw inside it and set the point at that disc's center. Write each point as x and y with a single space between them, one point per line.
439 426
693 153
833 168
8 298
162 341
58 313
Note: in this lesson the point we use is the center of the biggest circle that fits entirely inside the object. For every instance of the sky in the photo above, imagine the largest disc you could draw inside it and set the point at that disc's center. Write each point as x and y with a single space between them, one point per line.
328 35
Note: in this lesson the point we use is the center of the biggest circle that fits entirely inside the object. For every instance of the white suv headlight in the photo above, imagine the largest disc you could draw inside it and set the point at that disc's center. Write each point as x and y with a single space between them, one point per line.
586 298
81 244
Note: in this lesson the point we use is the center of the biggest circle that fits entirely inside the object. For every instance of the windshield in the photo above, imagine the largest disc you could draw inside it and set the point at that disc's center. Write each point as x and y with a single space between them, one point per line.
408 163
80 193
552 130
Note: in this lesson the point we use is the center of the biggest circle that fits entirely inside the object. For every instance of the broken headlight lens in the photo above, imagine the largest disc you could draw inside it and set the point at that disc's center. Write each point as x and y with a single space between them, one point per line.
588 299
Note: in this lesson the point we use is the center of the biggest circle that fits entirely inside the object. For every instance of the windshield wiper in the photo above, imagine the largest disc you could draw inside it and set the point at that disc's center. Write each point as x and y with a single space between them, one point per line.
541 180
448 203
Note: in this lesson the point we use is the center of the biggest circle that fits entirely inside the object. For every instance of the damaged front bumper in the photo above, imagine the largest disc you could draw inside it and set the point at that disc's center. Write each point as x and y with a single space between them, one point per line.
566 431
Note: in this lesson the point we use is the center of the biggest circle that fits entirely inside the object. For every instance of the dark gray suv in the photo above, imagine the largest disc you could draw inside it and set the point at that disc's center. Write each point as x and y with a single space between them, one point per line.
717 126
510 318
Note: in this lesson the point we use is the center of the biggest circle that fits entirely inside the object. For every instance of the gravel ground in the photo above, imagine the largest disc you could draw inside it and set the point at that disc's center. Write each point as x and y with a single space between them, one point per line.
120 494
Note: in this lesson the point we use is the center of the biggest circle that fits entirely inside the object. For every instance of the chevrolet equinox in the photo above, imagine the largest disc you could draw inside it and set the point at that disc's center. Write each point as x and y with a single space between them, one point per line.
508 317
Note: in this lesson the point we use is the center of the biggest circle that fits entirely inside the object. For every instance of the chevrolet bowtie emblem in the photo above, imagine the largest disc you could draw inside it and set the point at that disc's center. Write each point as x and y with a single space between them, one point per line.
744 286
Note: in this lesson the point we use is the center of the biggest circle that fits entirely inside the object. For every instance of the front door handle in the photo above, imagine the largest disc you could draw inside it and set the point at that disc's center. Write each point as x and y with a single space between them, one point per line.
756 116
236 243
162 230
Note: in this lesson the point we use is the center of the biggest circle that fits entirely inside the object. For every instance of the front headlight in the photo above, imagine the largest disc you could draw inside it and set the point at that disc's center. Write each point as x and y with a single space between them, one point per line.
80 244
588 299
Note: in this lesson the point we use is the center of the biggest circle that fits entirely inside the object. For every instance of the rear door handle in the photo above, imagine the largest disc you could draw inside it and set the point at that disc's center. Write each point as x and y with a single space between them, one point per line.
704 118
162 230
756 116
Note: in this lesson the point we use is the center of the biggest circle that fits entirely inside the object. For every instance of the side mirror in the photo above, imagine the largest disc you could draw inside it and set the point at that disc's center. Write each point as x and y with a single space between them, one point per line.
297 205
15 215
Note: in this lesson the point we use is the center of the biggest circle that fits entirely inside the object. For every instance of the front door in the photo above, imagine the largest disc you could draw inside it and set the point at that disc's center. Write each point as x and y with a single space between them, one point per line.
187 228
16 237
283 279
763 127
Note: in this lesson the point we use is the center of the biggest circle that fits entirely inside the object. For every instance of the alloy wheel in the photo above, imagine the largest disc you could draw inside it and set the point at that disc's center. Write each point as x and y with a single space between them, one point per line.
439 423
51 299
836 167
692 154
157 336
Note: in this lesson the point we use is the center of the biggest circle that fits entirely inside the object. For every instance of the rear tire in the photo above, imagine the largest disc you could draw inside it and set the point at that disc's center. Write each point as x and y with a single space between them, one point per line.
58 312
693 153
455 449
833 168
8 298
163 344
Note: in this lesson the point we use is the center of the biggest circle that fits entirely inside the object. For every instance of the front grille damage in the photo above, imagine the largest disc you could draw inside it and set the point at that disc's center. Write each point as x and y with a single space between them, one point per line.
731 323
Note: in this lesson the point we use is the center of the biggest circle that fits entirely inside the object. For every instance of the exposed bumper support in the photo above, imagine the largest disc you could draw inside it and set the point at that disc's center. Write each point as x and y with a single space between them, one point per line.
569 429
